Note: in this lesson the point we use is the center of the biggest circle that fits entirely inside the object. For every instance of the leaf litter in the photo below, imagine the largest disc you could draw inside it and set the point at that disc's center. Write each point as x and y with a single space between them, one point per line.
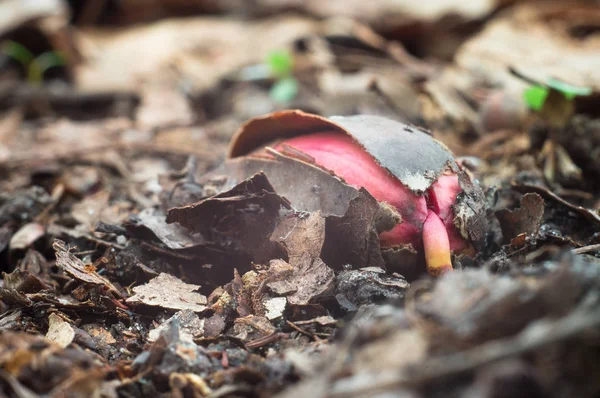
147 249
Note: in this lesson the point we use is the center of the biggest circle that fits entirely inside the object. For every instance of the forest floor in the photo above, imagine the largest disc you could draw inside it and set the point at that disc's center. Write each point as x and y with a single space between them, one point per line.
127 273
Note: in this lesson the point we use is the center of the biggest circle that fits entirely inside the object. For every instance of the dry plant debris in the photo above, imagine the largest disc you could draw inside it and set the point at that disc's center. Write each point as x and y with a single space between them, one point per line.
217 199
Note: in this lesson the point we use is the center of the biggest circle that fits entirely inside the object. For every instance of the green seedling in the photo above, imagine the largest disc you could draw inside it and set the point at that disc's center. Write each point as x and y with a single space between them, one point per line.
35 67
535 96
281 65
553 100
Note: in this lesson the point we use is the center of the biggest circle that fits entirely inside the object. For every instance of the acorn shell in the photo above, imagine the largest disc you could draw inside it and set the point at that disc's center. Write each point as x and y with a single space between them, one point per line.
410 154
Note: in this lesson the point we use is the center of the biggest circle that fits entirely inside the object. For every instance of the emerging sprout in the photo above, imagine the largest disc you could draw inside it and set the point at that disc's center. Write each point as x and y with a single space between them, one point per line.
35 66
281 65
397 164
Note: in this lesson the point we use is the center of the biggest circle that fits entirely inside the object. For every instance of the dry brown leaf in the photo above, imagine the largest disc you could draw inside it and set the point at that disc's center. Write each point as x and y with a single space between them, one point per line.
190 326
151 224
169 292
526 219
252 327
73 266
302 237
59 331
240 219
26 236
89 210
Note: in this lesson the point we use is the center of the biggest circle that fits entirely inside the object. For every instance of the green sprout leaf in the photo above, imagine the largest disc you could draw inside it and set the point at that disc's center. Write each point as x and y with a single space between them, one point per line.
280 63
284 90
535 97
43 62
18 52
35 66
569 91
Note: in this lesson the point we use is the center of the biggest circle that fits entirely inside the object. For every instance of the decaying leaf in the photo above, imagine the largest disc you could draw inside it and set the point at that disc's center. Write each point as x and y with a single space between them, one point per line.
23 204
550 32
252 327
151 224
302 235
366 286
191 44
43 367
353 239
59 331
470 211
25 236
526 219
167 291
89 210
240 219
77 269
23 281
306 186
190 326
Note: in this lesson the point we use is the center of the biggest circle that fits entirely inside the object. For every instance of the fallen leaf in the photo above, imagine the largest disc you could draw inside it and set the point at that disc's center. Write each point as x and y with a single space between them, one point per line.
163 105
470 211
26 236
367 286
190 326
252 327
353 239
167 291
306 186
526 219
151 224
99 334
202 49
23 282
302 236
80 180
89 210
73 266
59 331
547 41
240 219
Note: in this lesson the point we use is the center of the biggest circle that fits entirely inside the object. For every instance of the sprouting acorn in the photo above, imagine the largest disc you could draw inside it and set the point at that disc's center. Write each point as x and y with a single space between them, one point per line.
441 210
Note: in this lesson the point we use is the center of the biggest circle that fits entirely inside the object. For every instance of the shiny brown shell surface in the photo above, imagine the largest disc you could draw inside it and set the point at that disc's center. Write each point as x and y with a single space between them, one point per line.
410 154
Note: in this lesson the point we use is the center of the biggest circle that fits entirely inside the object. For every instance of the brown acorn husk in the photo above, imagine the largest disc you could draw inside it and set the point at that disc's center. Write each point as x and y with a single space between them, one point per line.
410 154
403 150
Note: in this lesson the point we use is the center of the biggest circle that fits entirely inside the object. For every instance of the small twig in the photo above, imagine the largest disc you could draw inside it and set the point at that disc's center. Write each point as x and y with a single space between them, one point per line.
273 337
586 249
299 329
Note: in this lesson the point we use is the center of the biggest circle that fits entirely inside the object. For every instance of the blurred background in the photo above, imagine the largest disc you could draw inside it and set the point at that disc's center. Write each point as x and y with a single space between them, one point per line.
177 77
